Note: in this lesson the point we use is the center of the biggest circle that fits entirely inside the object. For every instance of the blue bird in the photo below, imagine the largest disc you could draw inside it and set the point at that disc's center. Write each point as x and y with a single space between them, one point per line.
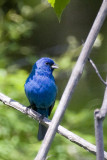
41 90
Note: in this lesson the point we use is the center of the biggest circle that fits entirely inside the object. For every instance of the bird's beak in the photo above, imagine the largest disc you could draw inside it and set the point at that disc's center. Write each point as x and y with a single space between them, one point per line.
54 66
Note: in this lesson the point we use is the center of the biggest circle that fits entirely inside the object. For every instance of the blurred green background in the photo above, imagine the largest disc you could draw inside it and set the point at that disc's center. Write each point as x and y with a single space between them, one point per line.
30 30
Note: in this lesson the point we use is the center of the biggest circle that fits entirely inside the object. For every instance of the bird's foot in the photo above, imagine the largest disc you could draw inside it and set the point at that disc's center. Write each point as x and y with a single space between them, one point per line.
29 107
41 118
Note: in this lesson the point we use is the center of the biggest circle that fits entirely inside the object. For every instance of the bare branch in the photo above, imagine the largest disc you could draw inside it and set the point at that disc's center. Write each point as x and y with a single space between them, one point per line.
96 70
75 76
61 130
99 136
99 117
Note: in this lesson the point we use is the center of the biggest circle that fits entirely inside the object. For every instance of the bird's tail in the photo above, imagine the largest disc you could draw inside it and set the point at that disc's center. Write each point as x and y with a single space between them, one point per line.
41 132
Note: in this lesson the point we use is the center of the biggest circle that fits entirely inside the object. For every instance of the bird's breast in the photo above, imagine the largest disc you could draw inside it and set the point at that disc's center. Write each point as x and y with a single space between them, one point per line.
41 91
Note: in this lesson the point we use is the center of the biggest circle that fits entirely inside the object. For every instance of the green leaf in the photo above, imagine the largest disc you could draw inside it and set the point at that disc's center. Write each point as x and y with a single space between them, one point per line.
59 6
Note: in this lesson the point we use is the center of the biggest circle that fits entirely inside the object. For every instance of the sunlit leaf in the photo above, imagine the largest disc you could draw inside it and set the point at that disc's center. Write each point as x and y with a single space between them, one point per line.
59 6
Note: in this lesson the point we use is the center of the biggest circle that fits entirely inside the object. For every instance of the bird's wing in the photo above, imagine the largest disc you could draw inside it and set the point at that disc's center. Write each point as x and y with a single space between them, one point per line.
50 108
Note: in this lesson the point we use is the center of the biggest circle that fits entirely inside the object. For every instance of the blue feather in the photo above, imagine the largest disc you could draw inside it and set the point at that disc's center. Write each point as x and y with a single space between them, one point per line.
41 90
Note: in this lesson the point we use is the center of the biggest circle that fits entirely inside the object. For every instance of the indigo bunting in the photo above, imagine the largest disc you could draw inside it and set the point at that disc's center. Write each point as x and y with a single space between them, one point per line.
41 90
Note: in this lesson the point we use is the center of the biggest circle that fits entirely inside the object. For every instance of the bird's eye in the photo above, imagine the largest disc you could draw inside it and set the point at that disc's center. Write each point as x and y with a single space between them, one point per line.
47 63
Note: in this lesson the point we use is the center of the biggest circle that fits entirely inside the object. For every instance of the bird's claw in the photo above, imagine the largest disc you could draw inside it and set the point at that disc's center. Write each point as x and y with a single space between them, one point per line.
41 118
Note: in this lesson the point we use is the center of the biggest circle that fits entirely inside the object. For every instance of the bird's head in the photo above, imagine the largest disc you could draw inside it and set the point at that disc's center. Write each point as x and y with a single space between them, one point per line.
46 64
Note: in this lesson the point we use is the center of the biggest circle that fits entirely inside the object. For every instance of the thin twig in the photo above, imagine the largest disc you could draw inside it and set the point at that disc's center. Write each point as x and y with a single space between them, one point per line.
96 70
99 115
61 130
75 76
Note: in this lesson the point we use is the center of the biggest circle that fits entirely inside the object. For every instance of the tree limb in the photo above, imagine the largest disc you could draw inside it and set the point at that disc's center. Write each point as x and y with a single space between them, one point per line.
74 78
99 116
61 130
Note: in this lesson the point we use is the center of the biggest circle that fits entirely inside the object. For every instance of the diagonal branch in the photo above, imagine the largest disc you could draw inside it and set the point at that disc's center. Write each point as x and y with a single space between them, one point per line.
61 130
74 78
